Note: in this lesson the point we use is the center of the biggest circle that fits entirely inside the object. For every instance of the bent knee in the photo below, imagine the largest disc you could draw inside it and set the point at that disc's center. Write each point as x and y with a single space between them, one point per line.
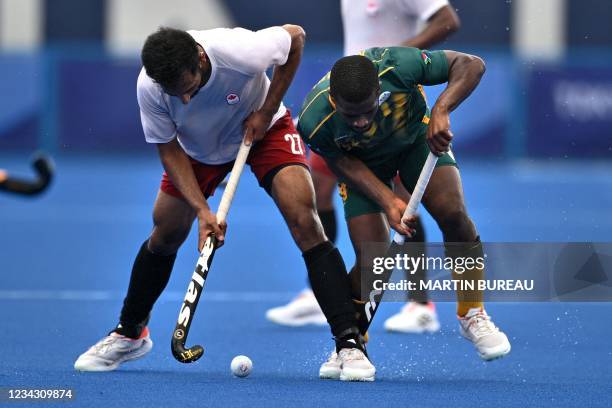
166 241
456 225
306 228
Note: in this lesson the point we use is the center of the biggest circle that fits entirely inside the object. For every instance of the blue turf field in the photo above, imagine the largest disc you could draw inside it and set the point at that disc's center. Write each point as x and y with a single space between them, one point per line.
65 262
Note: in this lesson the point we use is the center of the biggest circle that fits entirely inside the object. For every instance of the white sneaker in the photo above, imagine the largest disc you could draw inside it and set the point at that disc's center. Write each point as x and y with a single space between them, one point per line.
414 318
355 365
302 310
330 370
112 350
490 342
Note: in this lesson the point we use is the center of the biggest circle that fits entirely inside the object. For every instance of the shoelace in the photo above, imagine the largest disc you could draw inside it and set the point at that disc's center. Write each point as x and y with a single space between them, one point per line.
103 346
481 324
351 354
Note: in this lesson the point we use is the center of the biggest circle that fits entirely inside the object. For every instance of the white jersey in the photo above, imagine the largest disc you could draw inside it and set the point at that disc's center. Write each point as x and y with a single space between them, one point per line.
209 127
380 23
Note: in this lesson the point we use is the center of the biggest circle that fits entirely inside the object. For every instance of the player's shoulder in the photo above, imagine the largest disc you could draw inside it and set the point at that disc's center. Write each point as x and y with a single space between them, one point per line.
316 108
388 58
404 64
243 50
147 90
219 42
219 36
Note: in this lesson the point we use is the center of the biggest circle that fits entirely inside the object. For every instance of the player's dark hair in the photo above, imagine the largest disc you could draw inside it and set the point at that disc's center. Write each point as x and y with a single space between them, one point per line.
167 54
354 78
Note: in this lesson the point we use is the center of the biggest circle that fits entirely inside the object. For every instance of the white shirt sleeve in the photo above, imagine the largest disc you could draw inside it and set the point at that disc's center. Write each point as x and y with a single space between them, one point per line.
258 50
157 125
423 9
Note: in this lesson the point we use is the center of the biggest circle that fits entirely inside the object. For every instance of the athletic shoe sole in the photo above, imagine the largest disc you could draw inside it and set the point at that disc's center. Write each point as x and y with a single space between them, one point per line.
495 355
356 377
329 374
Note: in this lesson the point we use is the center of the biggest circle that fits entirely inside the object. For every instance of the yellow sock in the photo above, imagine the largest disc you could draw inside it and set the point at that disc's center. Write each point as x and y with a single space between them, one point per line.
464 307
469 298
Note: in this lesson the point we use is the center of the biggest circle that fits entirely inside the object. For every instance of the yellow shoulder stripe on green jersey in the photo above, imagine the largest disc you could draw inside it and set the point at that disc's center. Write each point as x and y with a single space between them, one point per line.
321 124
385 71
311 101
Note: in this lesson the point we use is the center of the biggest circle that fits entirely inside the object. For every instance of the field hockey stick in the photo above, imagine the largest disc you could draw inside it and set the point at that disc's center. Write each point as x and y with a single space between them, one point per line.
42 165
196 286
375 296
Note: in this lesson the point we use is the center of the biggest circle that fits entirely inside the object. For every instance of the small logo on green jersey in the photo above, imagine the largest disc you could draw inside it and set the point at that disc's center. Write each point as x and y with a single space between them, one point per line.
425 57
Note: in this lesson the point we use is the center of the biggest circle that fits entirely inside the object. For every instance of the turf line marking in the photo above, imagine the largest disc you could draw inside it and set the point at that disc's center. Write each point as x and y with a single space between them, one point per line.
102 295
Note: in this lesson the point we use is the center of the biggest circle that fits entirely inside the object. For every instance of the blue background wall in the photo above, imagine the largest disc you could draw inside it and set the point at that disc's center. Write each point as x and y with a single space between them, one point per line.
71 95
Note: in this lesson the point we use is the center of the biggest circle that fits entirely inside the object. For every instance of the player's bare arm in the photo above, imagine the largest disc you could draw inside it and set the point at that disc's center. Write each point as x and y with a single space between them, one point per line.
258 122
464 73
358 175
439 27
177 165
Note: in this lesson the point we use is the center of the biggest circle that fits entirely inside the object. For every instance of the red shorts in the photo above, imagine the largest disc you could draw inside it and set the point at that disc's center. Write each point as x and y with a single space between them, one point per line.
318 164
281 147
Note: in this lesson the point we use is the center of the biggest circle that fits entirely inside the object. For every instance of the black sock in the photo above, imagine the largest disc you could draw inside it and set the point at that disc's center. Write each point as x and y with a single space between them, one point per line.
350 338
330 284
330 226
328 220
150 275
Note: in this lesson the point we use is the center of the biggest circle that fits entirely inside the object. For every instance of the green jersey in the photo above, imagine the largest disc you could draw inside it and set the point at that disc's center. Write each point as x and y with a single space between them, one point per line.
402 116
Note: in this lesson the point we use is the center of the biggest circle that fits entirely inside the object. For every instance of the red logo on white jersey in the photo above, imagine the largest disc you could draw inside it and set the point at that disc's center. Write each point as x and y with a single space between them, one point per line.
232 99
372 7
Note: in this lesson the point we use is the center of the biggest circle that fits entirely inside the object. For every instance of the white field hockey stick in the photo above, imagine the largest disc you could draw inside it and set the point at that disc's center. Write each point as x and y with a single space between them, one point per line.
196 286
398 239
417 194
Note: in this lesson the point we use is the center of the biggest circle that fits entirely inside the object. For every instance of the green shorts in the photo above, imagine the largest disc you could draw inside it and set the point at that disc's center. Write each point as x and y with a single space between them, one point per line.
407 165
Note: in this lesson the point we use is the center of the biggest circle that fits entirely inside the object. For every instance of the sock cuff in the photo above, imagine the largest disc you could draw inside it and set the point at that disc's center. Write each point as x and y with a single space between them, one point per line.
313 254
145 248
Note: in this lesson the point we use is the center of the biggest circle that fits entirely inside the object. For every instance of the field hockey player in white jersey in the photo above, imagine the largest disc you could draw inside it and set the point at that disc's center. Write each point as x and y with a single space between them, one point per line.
200 93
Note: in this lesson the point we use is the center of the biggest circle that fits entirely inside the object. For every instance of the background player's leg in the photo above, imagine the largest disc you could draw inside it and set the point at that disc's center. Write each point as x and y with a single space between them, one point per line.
366 229
325 185
363 230
418 315
419 296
